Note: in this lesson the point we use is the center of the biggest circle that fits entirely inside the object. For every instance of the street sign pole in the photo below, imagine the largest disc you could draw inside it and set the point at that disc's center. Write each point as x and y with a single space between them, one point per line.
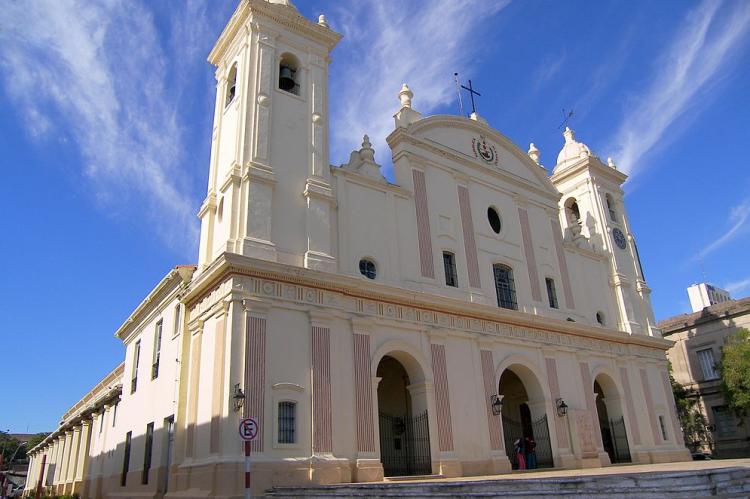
248 492
248 432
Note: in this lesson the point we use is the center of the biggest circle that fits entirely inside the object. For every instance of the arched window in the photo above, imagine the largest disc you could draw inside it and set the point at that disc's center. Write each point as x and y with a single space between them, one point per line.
494 218
505 286
231 85
289 74
611 208
572 213
600 318
367 268
287 422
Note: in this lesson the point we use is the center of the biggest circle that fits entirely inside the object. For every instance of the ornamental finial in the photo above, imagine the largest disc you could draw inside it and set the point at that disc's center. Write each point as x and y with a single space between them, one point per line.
322 21
533 153
405 96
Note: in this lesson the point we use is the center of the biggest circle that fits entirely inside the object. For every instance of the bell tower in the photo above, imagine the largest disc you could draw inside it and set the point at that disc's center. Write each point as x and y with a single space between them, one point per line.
592 213
269 191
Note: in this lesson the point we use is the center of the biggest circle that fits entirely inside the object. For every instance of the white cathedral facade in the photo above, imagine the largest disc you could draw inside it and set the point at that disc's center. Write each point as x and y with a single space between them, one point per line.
374 328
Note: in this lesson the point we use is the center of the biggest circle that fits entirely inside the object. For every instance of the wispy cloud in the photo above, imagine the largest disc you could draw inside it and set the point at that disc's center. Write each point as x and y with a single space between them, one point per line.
422 45
548 69
738 217
97 73
738 286
697 55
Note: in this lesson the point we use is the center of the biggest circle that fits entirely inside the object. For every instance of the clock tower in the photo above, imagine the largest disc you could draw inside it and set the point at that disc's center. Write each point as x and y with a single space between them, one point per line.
592 213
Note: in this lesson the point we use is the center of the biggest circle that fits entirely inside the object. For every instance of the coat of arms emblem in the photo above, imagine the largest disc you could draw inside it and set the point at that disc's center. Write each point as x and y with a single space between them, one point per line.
483 150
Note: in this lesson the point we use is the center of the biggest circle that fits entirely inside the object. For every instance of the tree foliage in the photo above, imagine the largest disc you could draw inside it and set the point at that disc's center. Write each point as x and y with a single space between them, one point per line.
692 420
735 371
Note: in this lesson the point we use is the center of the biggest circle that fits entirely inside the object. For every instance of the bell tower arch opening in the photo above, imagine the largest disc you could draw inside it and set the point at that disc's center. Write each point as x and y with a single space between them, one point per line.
402 417
524 418
611 419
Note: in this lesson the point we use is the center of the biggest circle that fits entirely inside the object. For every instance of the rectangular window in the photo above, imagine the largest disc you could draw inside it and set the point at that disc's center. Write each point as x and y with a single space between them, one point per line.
551 294
126 460
136 357
157 350
449 263
176 320
505 287
147 452
287 417
708 365
663 428
724 421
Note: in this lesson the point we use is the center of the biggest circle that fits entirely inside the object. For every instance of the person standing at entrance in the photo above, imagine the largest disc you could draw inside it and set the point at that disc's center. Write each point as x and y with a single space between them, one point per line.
519 449
530 453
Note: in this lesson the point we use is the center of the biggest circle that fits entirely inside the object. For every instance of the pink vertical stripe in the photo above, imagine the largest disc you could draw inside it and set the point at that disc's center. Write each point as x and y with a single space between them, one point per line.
423 225
588 390
649 406
470 245
488 376
363 389
195 362
631 410
528 249
442 399
670 403
563 263
255 375
218 388
321 366
554 388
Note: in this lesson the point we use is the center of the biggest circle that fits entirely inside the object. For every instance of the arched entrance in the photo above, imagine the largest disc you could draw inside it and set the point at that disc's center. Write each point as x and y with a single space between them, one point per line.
403 424
524 418
611 420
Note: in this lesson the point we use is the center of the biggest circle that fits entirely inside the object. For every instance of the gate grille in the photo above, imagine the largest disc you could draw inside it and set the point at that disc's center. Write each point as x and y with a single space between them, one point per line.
405 445
539 430
615 440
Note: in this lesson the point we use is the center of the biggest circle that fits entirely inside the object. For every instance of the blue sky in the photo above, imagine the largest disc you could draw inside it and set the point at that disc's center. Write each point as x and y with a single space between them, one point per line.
105 120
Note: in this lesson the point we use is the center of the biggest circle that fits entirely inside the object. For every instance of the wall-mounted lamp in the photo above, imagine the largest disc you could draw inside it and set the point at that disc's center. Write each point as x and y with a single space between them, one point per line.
238 398
496 402
562 407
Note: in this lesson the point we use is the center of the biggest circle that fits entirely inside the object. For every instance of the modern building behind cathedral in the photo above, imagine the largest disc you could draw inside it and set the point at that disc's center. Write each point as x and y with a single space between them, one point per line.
374 328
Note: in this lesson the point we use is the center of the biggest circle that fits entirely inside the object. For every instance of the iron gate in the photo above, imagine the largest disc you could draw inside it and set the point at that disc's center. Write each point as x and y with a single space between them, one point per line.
405 445
513 430
615 440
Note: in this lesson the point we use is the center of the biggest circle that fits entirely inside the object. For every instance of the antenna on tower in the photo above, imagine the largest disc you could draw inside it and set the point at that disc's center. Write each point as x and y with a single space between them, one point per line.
703 268
458 90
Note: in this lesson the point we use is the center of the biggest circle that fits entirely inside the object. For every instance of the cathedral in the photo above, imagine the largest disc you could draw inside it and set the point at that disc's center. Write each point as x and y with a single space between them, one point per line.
374 328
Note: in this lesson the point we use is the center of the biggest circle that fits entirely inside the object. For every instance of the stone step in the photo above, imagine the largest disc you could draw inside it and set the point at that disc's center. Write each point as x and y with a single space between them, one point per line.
727 482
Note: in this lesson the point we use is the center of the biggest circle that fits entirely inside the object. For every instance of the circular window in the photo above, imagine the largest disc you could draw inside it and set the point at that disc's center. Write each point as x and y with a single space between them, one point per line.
367 268
494 218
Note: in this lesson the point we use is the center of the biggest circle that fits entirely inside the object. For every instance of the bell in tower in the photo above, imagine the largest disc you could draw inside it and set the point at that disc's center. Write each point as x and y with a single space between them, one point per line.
286 79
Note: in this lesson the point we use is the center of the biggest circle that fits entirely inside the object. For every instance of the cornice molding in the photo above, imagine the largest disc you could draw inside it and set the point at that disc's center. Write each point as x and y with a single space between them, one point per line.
340 293
280 14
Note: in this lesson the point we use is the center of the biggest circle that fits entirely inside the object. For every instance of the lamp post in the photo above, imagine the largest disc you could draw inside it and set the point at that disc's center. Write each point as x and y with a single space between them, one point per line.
562 407
238 398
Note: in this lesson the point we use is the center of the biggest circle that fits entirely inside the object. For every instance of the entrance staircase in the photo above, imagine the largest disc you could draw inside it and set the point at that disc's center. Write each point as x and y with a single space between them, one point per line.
733 481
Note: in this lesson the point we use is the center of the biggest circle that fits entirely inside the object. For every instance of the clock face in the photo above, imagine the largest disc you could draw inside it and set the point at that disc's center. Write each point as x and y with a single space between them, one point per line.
619 238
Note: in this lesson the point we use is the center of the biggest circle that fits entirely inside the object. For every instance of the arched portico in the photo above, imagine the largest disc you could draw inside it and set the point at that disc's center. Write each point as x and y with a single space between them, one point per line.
611 418
525 414
403 399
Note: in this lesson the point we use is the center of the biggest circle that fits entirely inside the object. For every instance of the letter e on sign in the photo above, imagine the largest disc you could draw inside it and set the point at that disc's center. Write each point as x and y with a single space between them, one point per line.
248 429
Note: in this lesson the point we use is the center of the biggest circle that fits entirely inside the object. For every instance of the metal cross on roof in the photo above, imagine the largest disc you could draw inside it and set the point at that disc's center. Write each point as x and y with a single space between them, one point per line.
472 93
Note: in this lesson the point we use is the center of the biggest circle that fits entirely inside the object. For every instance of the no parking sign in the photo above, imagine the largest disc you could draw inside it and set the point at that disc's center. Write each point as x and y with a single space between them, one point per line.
248 429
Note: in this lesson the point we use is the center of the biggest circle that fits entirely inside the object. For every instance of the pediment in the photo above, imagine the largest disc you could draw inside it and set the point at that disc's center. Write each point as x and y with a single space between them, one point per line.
483 146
